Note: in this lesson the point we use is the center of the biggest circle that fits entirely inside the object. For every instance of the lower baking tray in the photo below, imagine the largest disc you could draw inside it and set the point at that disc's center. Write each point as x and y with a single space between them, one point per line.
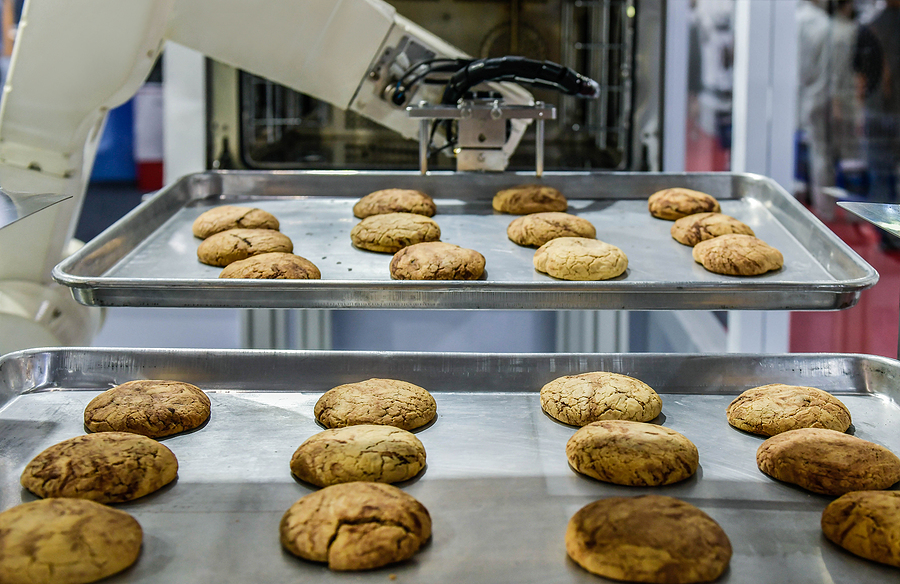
497 483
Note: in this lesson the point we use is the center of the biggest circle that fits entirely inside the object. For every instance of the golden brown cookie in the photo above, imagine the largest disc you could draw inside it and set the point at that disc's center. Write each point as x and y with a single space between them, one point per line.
230 246
231 217
525 199
589 397
676 203
737 255
579 258
648 539
537 229
366 452
151 407
693 229
391 232
435 260
356 526
273 266
109 467
827 461
394 201
775 408
866 523
68 541
632 453
388 402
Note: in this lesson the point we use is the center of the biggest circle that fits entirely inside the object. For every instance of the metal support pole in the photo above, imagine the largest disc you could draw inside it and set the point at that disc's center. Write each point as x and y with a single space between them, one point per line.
423 145
539 148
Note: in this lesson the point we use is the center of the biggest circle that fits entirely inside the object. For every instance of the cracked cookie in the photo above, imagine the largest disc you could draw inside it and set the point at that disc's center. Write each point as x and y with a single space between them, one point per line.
537 229
737 255
394 201
356 526
71 541
827 461
671 204
775 408
589 397
110 467
525 199
648 539
437 261
580 258
629 453
866 523
151 407
392 232
693 229
388 402
231 217
230 246
273 266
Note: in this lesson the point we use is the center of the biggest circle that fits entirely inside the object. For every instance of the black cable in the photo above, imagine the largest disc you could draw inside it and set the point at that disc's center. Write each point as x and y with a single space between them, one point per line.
445 66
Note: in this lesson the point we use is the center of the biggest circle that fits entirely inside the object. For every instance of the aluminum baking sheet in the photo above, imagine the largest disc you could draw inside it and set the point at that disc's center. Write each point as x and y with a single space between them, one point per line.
149 257
497 483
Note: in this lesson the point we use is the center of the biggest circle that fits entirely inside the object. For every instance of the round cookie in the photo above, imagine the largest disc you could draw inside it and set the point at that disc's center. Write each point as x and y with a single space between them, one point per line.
69 541
676 203
356 526
737 255
693 229
435 260
273 266
590 397
366 452
629 453
230 246
866 523
827 461
537 229
775 408
150 407
388 402
580 258
109 467
648 539
394 201
231 217
391 232
525 199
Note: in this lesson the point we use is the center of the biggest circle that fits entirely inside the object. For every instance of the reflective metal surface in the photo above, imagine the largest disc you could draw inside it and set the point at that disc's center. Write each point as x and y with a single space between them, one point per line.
883 215
15 206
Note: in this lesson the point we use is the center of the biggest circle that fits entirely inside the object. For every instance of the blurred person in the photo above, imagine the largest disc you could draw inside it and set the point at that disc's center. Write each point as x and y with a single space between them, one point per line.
846 108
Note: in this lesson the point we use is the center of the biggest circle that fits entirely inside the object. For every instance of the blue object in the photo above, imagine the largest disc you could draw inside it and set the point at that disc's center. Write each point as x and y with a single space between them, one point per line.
115 154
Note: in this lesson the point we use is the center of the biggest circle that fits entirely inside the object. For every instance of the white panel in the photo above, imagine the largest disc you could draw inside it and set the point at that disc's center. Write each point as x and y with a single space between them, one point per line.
676 90
184 112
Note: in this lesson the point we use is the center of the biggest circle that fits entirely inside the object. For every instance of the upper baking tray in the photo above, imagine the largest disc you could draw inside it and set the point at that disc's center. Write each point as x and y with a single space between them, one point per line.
149 257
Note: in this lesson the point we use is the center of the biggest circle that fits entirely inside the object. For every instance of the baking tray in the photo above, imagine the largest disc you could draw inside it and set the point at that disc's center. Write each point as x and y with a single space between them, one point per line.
149 257
497 483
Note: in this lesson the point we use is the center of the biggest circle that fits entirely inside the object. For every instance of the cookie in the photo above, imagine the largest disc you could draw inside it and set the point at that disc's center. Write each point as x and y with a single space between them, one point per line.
866 523
437 261
632 453
648 539
70 541
827 461
676 203
230 246
356 526
537 229
388 402
227 217
590 397
273 266
395 201
366 452
579 258
151 407
693 229
775 408
737 255
525 199
110 467
392 232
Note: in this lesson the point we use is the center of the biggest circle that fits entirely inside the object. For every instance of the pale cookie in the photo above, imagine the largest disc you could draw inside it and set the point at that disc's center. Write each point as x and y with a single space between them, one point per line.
356 526
827 461
366 452
437 261
388 402
525 199
392 232
775 408
537 229
110 467
579 258
866 523
66 541
737 255
394 201
632 453
230 246
676 203
648 539
693 229
230 217
273 266
589 397
154 408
